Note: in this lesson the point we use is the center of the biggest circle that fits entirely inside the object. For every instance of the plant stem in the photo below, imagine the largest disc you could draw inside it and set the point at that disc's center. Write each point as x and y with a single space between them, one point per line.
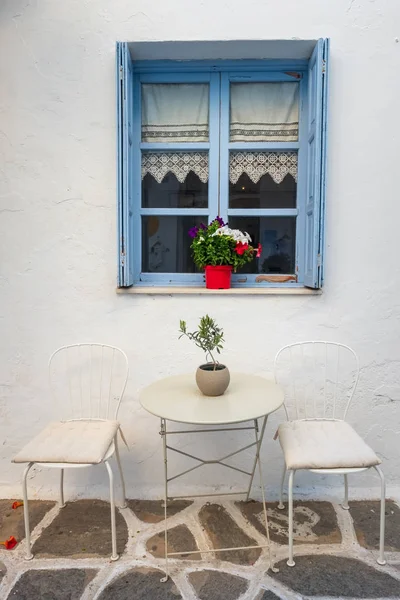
213 359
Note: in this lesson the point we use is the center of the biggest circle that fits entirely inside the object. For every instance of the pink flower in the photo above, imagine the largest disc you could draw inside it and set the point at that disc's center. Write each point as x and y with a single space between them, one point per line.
258 251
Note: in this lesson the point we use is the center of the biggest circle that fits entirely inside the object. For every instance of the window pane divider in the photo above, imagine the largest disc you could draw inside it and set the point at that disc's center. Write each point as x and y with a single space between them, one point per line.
263 212
264 76
152 68
265 146
162 278
174 77
172 146
180 212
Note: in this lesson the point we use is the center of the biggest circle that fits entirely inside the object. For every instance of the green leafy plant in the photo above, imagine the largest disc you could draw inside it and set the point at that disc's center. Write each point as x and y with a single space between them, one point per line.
209 337
217 244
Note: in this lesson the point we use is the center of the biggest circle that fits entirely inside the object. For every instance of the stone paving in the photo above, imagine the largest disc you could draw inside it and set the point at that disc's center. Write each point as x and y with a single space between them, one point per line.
335 552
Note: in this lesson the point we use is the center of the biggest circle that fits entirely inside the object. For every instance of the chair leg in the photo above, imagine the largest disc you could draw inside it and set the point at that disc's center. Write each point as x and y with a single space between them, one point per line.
62 503
290 562
345 504
114 555
281 506
124 503
29 554
381 559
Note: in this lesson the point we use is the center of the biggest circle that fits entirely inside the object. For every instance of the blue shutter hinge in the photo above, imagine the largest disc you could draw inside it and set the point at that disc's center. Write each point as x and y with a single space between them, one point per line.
319 260
122 253
121 73
323 66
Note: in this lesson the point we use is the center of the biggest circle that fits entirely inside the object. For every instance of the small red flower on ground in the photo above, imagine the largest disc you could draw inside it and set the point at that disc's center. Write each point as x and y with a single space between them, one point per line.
10 543
16 504
241 248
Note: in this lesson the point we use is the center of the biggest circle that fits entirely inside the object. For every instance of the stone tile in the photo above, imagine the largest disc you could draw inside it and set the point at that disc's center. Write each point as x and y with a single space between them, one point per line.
366 524
152 511
3 570
397 567
266 595
215 585
324 575
224 532
60 584
141 584
12 520
314 522
81 529
180 538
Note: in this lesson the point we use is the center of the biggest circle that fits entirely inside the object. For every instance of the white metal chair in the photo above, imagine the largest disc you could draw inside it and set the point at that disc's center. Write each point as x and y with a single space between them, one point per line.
316 437
90 379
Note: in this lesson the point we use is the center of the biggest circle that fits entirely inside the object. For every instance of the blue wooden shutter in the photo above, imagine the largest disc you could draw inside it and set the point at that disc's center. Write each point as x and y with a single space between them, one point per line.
124 77
316 164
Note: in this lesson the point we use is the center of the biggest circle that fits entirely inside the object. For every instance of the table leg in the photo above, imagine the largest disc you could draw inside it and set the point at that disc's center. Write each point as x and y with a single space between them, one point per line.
258 446
163 433
258 459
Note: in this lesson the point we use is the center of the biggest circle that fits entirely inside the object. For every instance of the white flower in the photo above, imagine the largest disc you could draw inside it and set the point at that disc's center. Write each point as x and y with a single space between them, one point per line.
222 231
235 234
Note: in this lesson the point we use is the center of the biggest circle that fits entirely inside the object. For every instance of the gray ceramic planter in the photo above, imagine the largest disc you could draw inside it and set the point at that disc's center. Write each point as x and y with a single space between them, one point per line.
212 382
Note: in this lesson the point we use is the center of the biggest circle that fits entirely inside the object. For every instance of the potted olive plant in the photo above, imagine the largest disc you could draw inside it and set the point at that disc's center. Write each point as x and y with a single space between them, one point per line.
212 378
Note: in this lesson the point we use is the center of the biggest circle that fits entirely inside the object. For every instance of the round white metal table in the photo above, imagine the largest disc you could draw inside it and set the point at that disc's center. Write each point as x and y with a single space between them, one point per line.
248 398
178 398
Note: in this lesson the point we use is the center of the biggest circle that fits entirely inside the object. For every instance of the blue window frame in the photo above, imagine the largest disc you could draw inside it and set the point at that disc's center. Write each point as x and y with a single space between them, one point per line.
289 222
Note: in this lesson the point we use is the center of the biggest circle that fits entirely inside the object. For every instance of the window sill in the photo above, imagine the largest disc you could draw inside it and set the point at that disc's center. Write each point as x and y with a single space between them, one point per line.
171 291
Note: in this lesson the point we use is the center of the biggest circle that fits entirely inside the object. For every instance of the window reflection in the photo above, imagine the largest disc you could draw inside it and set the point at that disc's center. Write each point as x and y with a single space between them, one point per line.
166 244
277 235
263 194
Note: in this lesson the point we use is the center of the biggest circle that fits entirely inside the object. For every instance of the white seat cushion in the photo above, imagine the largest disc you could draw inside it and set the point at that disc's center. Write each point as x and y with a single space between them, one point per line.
324 444
76 442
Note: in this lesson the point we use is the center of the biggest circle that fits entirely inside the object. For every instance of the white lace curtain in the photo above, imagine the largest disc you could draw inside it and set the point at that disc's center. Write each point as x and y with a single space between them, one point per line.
159 164
264 112
175 112
255 164
259 112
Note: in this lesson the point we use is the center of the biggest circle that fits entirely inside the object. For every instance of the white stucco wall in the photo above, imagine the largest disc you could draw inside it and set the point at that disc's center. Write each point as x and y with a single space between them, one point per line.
58 224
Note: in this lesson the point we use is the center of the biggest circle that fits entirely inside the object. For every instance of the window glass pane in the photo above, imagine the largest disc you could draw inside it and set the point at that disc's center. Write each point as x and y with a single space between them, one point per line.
175 112
277 235
262 179
175 179
166 244
264 112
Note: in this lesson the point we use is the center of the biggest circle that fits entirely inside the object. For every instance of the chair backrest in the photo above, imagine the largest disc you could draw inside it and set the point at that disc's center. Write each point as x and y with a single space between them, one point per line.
318 378
89 379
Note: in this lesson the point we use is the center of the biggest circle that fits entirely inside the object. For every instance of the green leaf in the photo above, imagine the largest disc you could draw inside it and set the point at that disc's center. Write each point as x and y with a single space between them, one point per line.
209 337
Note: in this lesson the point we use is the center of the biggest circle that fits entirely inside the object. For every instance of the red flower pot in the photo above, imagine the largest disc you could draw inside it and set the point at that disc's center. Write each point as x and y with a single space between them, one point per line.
219 277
